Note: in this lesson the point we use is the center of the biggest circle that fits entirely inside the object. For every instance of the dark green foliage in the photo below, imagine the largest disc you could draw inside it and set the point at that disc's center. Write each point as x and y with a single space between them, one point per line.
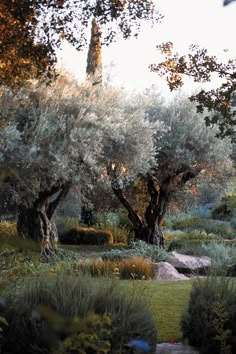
70 297
225 209
210 320
87 236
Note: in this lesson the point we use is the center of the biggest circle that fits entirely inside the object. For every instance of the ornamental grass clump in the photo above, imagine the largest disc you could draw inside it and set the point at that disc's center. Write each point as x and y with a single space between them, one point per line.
41 311
130 268
210 319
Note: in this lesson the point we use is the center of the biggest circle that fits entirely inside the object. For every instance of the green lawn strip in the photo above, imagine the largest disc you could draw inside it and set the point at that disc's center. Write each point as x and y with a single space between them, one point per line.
167 301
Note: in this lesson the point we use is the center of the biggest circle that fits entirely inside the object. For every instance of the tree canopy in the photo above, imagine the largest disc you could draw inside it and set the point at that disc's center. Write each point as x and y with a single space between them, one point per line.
31 30
218 104
63 133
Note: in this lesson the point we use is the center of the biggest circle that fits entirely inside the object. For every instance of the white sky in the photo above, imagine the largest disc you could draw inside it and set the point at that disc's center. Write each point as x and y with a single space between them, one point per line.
186 22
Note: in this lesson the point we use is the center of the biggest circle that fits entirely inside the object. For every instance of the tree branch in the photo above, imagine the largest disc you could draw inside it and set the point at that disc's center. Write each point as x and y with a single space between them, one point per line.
61 196
132 214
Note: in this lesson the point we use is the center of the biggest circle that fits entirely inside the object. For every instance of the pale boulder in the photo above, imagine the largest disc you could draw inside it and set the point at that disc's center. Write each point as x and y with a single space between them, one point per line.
165 271
189 264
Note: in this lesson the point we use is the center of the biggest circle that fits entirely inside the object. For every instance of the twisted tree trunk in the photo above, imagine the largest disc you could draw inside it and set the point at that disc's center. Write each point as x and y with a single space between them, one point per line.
36 223
149 227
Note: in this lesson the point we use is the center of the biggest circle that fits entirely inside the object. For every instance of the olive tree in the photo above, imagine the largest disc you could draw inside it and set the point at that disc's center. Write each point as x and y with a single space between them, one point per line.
185 148
64 135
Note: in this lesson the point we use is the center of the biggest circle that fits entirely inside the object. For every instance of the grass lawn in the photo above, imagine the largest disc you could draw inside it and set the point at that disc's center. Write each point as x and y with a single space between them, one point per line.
167 300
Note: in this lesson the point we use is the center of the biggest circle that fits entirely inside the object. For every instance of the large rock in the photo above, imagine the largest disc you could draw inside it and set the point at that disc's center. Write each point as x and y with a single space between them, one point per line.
189 264
165 271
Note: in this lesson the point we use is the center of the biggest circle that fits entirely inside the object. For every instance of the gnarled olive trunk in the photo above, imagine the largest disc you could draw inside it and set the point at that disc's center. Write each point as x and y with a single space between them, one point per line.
36 223
148 228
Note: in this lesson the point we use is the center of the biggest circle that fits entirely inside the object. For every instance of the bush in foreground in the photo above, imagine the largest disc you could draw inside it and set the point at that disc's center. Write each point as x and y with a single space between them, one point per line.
70 298
210 320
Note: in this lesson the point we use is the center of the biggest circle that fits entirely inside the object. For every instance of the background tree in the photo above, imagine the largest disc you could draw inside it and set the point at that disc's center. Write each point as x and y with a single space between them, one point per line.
31 30
183 151
217 104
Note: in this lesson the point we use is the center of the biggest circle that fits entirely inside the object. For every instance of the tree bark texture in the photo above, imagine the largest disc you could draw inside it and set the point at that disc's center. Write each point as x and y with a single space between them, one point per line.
36 223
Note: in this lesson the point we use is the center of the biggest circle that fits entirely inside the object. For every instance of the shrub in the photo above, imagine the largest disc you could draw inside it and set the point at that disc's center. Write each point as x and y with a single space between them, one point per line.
70 297
224 210
87 236
137 249
223 258
210 320
217 227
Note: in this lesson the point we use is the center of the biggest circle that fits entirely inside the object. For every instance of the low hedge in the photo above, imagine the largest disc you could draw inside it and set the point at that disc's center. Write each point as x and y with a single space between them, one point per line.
86 236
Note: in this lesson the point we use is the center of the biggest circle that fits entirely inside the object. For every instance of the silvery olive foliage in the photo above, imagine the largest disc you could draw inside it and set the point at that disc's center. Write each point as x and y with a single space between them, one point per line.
187 143
68 133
